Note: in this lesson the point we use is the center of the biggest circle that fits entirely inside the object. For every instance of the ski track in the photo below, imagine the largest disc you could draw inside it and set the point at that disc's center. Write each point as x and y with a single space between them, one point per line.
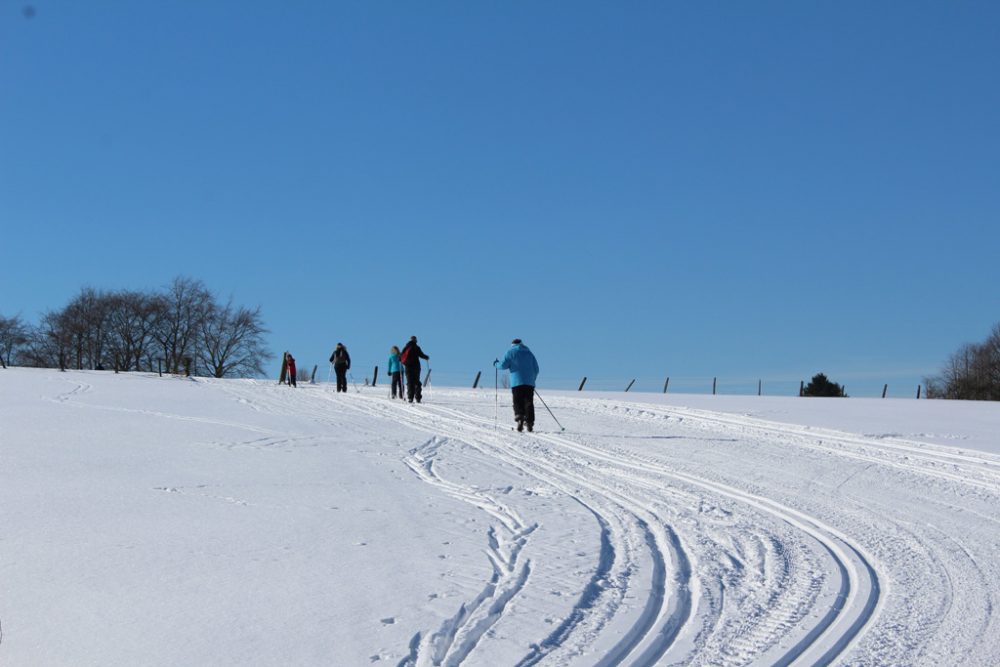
458 636
643 552
656 628
981 470
846 616
80 388
966 475
637 523
659 624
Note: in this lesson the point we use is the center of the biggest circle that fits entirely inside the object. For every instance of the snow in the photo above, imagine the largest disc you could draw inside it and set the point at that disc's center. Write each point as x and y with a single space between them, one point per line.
166 521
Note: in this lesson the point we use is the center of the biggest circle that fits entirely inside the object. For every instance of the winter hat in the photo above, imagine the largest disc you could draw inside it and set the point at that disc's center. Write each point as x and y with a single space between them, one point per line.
516 341
413 338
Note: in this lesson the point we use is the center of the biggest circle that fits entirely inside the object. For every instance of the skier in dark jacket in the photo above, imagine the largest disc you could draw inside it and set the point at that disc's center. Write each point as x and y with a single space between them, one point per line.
291 369
341 361
411 356
523 368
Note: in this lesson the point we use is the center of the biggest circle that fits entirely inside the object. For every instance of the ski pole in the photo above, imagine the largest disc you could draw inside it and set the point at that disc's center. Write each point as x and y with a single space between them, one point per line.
561 427
496 384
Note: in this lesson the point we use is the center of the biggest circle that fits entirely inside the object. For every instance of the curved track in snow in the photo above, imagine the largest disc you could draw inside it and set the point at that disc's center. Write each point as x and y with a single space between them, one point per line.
697 564
669 600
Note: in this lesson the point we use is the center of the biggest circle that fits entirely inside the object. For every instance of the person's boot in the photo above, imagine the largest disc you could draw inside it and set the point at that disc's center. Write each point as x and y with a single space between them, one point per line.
531 427
520 425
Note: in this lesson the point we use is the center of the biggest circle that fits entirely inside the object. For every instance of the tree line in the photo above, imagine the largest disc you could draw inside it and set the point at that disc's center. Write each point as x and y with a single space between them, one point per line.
971 373
182 328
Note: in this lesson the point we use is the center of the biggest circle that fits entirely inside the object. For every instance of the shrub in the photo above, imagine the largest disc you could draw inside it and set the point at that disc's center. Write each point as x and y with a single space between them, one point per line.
820 385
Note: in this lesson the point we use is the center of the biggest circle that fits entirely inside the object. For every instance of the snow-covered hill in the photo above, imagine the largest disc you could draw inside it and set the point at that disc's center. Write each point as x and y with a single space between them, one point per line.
168 521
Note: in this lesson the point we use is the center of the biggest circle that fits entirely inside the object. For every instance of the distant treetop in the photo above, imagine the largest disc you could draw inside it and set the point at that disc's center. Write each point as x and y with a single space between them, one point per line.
820 385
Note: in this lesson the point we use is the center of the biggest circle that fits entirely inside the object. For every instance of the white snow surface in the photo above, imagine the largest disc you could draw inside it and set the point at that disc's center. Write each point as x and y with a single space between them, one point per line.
172 521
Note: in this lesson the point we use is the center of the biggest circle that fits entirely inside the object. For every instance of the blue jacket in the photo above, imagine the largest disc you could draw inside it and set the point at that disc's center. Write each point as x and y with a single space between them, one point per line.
395 365
522 365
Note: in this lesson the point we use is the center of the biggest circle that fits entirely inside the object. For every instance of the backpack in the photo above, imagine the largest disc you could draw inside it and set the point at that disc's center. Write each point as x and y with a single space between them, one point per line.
405 355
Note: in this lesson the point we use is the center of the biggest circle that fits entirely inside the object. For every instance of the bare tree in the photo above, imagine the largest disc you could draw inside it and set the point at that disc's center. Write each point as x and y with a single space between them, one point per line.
132 319
232 341
85 321
186 303
13 335
971 373
50 343
184 324
989 359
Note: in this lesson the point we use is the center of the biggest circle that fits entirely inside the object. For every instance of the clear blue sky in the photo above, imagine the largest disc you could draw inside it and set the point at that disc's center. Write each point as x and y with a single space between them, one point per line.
635 189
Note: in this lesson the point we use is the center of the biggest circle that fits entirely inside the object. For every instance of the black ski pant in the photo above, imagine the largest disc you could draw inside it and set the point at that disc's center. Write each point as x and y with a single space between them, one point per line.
397 383
413 384
524 404
341 372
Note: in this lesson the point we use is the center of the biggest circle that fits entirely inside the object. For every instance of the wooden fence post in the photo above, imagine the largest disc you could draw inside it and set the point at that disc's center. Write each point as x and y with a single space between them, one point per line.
312 378
375 376
583 383
476 383
918 392
884 390
760 387
666 384
629 385
713 385
159 366
802 387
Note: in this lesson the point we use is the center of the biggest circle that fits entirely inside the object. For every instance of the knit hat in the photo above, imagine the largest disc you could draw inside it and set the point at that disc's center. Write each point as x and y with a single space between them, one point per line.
516 341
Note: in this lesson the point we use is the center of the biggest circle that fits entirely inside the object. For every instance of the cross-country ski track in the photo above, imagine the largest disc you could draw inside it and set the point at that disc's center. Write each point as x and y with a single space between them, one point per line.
648 533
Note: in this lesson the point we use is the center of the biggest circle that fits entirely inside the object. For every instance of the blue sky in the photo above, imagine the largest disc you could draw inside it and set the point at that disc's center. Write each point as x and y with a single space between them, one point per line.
742 190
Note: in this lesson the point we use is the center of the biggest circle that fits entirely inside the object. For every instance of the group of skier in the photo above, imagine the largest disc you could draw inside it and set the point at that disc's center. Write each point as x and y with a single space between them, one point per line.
409 361
405 363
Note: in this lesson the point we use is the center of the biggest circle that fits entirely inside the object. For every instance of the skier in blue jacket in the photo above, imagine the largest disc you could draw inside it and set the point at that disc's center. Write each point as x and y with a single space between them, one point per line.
396 371
523 368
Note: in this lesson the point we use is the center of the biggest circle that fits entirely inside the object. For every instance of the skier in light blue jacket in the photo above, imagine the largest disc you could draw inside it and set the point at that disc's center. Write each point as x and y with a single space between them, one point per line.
396 371
523 368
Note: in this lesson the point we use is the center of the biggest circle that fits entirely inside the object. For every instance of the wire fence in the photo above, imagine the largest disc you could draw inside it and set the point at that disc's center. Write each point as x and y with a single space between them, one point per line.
718 385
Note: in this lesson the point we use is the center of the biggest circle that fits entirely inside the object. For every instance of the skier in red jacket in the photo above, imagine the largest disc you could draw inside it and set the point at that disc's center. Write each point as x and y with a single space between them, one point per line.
291 369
